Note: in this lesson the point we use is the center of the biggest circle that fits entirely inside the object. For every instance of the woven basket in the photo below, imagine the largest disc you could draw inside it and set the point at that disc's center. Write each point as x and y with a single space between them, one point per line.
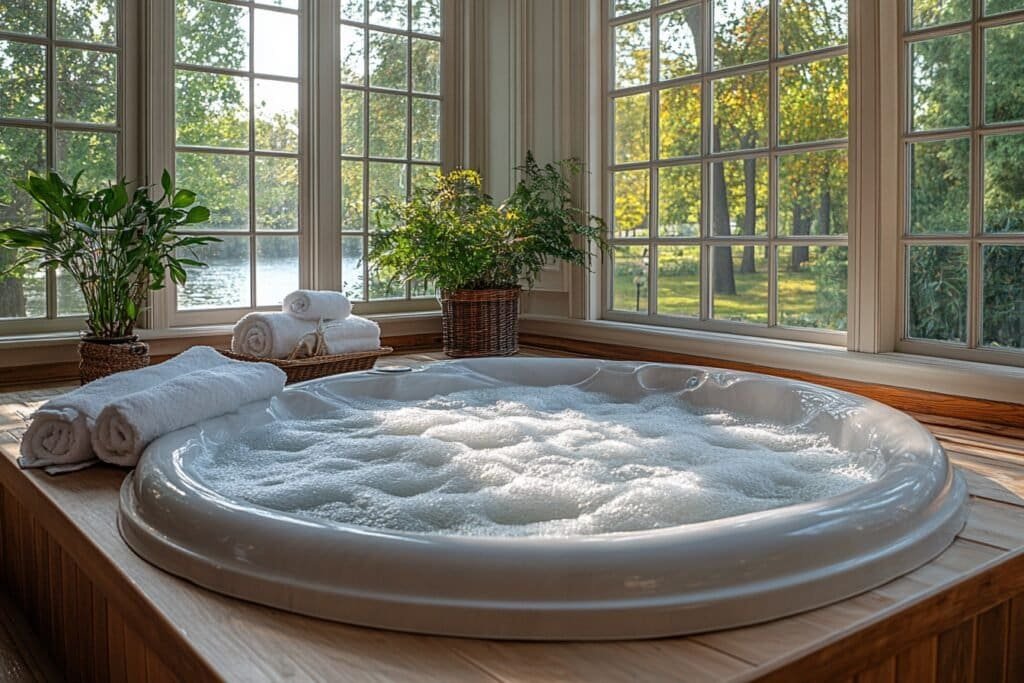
102 357
480 322
301 369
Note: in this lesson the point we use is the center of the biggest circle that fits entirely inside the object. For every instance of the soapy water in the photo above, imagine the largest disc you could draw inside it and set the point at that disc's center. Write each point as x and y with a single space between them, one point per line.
528 461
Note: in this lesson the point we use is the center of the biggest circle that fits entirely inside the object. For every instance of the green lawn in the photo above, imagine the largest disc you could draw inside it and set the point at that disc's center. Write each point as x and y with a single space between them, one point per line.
680 295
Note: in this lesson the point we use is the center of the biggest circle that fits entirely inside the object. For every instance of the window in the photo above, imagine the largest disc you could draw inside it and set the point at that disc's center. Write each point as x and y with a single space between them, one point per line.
963 209
390 108
61 66
728 165
239 143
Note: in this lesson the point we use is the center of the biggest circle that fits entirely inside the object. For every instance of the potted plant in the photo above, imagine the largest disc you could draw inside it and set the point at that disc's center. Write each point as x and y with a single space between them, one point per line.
118 244
479 255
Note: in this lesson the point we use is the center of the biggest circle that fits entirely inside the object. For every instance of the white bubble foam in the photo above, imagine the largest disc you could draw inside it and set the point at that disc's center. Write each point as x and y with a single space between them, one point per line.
528 461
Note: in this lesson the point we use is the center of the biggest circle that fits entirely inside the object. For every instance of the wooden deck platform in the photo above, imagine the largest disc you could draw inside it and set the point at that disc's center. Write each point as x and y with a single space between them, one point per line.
107 614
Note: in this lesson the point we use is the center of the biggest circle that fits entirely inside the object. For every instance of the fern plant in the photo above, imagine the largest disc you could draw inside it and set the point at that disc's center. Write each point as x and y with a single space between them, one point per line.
450 233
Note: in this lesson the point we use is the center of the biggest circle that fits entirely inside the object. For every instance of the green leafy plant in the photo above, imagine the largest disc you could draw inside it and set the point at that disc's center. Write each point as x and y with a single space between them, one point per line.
117 243
451 233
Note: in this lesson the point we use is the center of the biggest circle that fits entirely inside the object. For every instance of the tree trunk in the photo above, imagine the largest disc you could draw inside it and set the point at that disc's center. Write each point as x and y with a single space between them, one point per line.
825 213
750 217
12 293
801 226
721 263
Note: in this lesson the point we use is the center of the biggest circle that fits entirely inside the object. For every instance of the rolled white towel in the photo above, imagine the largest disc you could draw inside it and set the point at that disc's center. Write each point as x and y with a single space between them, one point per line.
275 335
308 304
129 424
58 437
269 335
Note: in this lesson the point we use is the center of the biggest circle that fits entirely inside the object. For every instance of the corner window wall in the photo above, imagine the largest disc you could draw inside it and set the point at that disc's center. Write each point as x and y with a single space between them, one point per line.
962 242
728 165
62 67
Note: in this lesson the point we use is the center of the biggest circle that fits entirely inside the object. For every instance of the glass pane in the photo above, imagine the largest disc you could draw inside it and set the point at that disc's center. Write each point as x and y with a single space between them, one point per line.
1003 287
633 53
426 16
387 125
813 193
741 30
388 61
426 66
275 43
1004 74
197 20
935 12
353 10
287 4
739 197
384 286
620 7
813 101
806 25
679 117
632 128
679 281
740 284
277 193
276 112
352 196
426 129
937 293
224 283
1004 183
69 295
22 293
632 203
86 86
940 186
386 180
740 112
630 273
277 269
22 80
423 175
87 21
679 201
389 13
812 286
940 80
999 6
352 122
353 54
221 183
352 267
211 109
680 46
23 16
94 153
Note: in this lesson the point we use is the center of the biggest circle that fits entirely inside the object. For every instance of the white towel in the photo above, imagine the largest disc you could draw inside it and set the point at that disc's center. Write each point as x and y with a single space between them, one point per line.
275 335
308 304
58 437
129 424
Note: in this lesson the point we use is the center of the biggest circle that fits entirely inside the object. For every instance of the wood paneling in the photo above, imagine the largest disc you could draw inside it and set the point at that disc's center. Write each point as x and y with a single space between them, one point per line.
968 410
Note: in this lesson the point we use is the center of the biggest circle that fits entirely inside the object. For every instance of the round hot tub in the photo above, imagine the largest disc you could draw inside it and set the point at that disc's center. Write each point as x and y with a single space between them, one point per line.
558 499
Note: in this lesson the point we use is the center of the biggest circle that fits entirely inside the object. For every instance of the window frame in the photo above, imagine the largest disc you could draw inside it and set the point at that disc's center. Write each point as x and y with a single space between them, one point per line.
128 51
975 238
770 153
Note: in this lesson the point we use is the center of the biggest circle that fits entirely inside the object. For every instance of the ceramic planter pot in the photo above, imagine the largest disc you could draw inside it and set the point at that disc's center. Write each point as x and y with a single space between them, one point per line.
102 356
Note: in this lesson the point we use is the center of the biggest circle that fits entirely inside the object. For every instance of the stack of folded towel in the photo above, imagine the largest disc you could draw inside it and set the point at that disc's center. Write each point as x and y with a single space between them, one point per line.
116 417
277 334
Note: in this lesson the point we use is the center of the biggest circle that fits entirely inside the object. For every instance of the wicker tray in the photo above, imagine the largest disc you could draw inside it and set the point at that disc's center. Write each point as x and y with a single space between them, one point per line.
318 366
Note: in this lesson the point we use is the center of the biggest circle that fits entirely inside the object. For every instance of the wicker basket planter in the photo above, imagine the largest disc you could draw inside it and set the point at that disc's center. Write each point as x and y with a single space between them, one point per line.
480 322
302 369
101 357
